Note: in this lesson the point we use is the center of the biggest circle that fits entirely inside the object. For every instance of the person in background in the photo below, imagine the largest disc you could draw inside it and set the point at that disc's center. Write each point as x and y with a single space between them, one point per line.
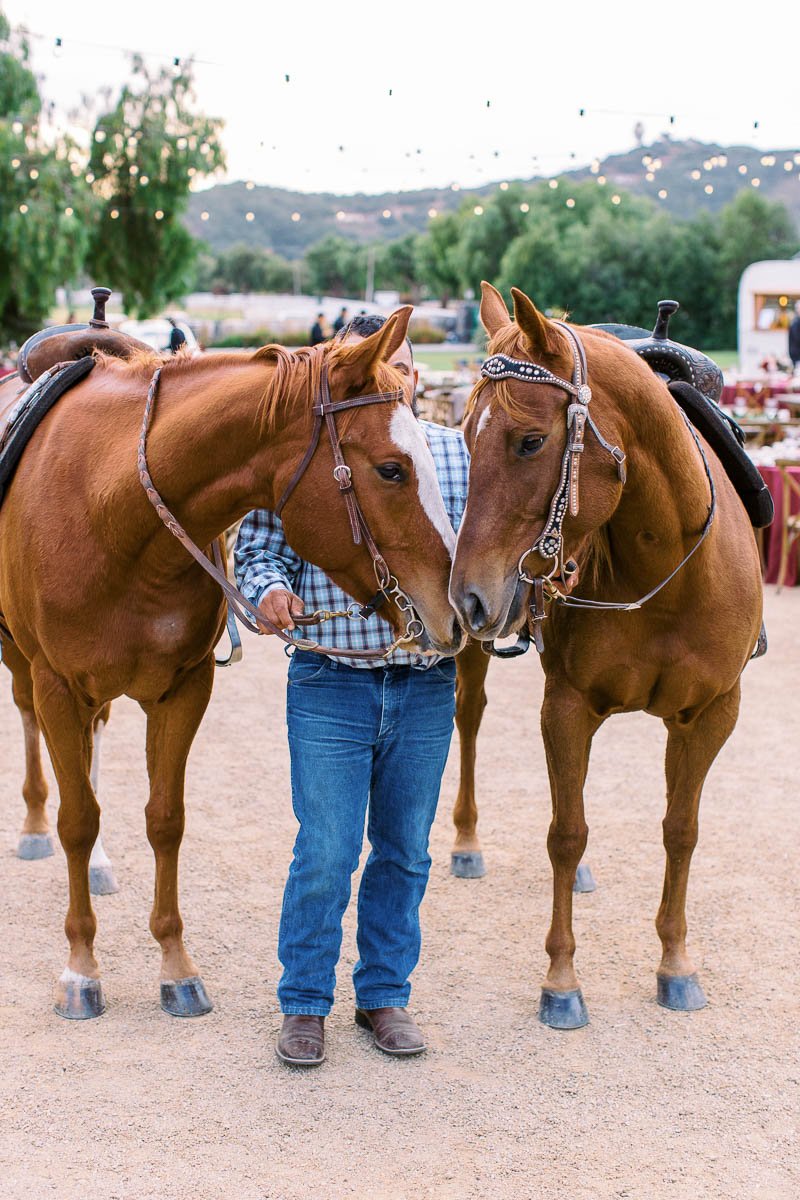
365 737
318 333
794 338
340 321
177 337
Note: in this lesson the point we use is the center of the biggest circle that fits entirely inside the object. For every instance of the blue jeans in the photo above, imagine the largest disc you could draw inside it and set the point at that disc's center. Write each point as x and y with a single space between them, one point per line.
360 738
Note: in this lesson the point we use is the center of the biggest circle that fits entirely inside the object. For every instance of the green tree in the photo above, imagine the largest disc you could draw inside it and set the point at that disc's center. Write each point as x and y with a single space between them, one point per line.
437 254
396 266
336 267
244 269
486 237
46 204
146 152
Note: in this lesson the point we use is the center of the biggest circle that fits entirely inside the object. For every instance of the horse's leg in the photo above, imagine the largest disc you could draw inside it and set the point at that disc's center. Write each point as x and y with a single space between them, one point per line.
102 880
67 726
567 728
36 840
171 726
472 664
691 749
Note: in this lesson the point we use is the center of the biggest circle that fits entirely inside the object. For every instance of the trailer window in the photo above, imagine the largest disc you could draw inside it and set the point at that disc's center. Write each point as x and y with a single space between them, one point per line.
774 311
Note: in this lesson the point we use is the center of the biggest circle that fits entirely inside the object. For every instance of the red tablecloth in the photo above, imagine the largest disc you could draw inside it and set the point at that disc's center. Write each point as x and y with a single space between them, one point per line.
772 535
754 391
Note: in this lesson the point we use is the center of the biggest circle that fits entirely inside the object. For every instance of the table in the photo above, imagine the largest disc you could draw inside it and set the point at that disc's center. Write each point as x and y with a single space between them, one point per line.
756 390
771 546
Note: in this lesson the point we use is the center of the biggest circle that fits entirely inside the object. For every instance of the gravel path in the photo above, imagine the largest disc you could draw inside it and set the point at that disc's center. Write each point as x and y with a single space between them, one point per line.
641 1104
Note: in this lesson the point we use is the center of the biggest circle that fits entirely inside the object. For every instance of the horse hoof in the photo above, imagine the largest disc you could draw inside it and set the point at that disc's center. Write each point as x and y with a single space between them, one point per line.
35 845
682 993
584 879
102 881
467 866
79 998
563 1010
185 997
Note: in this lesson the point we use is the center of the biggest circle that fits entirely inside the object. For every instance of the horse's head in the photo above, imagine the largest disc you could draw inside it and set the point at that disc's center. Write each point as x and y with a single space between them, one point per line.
517 435
394 480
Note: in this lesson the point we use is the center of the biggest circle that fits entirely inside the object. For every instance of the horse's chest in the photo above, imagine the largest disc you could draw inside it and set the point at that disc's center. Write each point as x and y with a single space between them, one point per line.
658 674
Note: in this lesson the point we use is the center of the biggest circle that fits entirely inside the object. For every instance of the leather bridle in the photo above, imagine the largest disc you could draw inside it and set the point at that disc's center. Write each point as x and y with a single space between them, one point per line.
251 617
549 544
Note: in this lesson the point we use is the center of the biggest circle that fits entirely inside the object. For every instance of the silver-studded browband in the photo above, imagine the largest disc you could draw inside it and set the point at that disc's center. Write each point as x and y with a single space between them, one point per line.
549 544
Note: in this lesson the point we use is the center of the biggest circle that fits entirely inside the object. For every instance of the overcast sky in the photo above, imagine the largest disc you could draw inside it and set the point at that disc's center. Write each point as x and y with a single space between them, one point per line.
537 65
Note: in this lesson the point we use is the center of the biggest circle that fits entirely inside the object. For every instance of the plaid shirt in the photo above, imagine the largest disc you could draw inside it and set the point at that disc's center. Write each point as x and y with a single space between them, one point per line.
265 561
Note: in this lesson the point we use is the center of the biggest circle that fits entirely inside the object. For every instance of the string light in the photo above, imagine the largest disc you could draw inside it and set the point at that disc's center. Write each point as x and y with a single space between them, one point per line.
662 195
478 210
159 214
23 208
553 184
432 212
524 207
570 202
114 214
295 216
204 215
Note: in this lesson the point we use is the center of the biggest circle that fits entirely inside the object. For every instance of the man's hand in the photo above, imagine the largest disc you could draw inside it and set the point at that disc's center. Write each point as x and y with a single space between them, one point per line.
279 606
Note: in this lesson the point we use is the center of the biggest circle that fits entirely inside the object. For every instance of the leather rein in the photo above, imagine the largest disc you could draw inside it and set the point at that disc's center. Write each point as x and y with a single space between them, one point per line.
550 542
251 617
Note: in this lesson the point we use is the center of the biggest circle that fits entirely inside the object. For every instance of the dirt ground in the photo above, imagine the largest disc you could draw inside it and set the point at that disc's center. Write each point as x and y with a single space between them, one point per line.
642 1103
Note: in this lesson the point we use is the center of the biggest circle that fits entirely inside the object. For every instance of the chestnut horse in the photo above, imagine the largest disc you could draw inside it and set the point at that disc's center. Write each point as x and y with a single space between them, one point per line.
98 599
633 633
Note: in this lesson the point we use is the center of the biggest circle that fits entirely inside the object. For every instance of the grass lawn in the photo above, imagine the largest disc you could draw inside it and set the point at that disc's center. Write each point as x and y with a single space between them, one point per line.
445 359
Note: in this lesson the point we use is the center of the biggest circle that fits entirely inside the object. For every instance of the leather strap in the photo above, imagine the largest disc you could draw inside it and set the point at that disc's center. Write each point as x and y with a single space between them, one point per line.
250 616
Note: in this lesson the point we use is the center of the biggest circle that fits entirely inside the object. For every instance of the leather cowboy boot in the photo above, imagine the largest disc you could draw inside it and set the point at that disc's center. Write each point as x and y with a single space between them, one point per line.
395 1031
301 1042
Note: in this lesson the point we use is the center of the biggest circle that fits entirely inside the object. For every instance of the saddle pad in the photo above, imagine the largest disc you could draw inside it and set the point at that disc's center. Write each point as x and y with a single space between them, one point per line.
29 411
727 441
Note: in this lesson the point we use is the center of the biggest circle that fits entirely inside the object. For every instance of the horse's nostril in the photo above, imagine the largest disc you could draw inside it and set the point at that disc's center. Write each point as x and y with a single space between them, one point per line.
474 610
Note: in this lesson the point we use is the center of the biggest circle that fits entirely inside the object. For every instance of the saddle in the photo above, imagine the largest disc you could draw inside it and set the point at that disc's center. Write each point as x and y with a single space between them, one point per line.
695 384
20 420
52 361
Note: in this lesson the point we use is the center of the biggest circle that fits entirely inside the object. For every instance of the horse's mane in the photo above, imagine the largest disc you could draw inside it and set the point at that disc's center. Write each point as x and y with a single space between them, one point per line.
295 379
297 376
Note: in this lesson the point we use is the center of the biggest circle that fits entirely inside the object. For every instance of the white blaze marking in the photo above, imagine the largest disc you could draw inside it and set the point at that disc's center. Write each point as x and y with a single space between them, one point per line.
408 437
483 421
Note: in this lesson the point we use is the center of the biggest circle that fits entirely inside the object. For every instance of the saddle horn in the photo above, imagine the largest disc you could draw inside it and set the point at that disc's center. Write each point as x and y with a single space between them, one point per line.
673 361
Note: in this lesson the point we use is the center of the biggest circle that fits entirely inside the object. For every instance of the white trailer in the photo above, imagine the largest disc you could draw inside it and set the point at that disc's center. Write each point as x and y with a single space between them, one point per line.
768 292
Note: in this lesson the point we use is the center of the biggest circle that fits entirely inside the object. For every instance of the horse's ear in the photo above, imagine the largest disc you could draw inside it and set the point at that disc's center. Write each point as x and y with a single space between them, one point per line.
357 361
494 314
540 334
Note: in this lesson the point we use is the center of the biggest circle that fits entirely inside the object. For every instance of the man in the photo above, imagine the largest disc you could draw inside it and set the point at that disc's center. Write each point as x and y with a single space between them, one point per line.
794 338
363 737
318 330
340 322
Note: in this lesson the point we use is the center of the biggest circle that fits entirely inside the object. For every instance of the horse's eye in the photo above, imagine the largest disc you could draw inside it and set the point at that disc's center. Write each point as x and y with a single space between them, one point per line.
529 445
392 472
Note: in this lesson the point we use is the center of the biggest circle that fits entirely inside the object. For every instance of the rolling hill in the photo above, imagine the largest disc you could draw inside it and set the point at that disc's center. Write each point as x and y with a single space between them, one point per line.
724 169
